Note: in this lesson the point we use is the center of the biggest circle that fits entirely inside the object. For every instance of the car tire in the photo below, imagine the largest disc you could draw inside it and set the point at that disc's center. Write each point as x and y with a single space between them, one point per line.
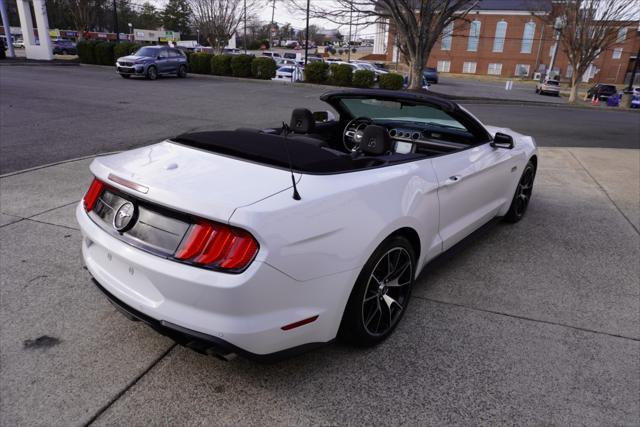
381 293
125 76
182 71
522 195
152 73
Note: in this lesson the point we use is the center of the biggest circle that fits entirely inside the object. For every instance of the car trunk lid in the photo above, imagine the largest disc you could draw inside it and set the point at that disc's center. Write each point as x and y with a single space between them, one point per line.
190 180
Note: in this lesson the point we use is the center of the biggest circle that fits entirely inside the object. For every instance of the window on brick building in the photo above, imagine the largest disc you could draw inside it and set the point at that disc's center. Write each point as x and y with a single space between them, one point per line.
494 69
622 35
447 37
501 33
527 37
444 66
569 72
474 36
522 70
469 67
617 53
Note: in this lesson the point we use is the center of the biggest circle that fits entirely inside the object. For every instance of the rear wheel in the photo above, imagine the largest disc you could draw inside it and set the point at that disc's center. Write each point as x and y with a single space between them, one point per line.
522 196
381 293
152 73
182 71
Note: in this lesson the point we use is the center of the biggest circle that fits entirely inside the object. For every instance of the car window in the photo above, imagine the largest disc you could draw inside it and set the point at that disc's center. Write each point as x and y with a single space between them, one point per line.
147 51
553 83
175 53
163 53
385 110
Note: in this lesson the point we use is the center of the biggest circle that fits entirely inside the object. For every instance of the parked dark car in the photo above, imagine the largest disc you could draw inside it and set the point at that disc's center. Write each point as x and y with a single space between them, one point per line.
429 75
601 91
64 47
153 61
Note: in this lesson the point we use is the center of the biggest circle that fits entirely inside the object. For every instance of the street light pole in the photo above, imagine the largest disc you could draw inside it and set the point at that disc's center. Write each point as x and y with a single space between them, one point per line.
115 22
244 37
306 44
273 14
349 41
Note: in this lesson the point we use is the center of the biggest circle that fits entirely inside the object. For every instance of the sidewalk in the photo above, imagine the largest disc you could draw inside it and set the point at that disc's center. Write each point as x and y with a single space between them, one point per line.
533 323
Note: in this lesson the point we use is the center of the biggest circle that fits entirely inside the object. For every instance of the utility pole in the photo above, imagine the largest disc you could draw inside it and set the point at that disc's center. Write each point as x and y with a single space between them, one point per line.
273 13
306 44
349 41
7 30
115 22
244 37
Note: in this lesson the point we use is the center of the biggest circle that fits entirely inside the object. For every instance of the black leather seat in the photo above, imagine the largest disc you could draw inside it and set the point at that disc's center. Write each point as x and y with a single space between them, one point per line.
303 126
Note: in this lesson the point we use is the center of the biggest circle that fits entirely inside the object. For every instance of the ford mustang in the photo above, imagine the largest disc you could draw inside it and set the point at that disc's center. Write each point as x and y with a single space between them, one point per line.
267 242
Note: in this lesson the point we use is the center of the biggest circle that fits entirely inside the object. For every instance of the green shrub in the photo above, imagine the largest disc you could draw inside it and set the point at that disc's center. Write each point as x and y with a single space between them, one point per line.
391 81
316 72
254 45
124 49
341 74
221 65
200 63
103 52
86 51
263 68
363 78
241 65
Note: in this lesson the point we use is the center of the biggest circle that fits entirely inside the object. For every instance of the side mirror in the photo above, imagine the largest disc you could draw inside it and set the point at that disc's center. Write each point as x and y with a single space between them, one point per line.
323 116
502 140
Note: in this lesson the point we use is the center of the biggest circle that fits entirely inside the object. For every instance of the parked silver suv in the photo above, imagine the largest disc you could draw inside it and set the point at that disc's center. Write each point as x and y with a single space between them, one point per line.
153 61
548 86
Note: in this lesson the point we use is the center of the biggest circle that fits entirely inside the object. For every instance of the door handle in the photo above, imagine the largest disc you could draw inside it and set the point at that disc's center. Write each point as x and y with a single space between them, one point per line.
452 180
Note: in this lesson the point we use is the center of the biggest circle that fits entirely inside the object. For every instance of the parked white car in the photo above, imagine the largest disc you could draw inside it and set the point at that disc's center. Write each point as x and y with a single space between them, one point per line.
268 242
549 87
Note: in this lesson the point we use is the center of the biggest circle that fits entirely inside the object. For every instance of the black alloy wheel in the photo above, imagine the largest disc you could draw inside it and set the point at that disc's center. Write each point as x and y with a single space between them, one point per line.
522 195
381 293
182 71
152 73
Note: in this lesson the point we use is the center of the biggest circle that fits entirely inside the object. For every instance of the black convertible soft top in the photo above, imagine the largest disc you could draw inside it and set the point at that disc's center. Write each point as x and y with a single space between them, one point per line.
269 149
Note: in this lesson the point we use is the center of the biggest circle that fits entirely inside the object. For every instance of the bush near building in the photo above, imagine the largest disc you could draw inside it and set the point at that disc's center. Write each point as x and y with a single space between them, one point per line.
263 68
103 53
241 65
86 51
221 65
316 72
200 63
391 81
341 74
363 78
124 49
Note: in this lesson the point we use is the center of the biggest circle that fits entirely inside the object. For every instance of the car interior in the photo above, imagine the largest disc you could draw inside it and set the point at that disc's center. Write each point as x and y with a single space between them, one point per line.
316 143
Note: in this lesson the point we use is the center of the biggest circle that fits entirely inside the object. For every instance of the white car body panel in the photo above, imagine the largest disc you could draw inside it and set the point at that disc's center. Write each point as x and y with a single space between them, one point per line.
311 250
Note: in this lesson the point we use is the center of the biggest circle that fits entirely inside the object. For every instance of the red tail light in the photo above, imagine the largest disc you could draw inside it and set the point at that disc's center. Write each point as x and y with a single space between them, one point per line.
218 245
94 191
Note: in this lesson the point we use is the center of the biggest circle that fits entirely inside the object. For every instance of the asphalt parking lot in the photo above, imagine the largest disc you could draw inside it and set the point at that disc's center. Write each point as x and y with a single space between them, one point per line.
533 323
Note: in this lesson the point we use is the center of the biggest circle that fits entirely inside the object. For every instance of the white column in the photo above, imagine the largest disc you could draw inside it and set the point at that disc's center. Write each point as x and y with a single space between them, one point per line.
379 42
33 51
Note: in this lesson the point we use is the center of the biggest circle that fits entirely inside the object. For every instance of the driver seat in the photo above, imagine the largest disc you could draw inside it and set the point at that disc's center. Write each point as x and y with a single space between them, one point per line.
303 125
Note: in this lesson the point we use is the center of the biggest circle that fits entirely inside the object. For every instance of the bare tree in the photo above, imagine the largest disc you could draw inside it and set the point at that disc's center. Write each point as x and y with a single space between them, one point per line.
219 20
586 28
418 24
83 14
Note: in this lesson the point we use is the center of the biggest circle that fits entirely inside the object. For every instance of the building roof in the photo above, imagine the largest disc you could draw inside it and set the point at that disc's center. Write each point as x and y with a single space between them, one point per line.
523 5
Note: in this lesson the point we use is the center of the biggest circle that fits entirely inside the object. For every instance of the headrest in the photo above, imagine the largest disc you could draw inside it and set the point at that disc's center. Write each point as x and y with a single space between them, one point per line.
375 140
302 121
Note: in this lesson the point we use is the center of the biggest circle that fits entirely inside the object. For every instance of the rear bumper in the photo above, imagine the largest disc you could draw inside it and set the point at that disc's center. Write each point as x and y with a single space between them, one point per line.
212 311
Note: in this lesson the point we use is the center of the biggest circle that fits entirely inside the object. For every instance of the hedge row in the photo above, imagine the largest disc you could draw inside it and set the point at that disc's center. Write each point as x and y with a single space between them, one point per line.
232 65
342 75
102 52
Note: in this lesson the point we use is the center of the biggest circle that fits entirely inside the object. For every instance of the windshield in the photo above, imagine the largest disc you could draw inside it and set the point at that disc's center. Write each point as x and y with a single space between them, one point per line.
147 51
383 110
553 83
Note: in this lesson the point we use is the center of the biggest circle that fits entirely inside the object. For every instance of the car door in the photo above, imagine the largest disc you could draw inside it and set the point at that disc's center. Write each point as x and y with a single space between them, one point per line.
163 61
472 186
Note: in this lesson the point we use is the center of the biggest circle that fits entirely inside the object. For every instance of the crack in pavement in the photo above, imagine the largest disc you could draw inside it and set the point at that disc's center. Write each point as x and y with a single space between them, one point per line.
530 319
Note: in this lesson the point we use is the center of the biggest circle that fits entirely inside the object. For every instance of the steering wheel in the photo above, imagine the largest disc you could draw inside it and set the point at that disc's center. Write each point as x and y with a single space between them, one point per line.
353 132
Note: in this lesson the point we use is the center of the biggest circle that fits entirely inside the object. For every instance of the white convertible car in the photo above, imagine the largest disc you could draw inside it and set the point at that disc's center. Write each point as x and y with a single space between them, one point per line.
268 242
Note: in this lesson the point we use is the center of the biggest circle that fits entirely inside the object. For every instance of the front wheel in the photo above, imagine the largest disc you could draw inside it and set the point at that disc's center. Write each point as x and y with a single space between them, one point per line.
381 293
522 196
182 71
152 73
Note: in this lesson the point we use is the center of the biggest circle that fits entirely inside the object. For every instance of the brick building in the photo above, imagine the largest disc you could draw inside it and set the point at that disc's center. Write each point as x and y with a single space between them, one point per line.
508 38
